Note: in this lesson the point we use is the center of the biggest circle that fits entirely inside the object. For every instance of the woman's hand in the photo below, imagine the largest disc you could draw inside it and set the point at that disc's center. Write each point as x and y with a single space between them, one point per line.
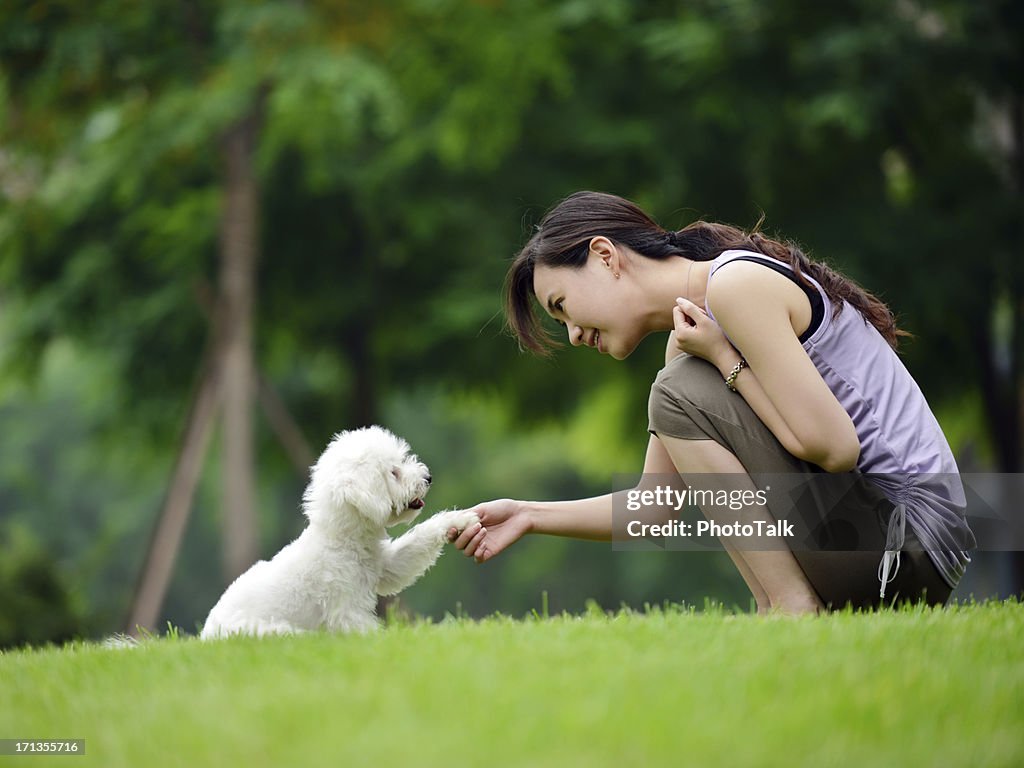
699 335
502 523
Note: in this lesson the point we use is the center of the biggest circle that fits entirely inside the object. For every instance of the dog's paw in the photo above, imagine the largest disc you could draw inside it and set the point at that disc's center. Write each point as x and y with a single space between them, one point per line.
460 519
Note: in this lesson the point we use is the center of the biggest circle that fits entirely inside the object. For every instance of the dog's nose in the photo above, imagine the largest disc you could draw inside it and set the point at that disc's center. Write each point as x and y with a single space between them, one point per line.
429 479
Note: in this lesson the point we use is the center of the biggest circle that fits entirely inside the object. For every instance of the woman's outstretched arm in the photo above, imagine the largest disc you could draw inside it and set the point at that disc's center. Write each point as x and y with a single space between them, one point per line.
505 521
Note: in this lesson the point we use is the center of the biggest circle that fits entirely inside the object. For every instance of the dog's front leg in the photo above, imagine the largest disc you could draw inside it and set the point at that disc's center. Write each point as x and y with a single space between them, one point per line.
409 556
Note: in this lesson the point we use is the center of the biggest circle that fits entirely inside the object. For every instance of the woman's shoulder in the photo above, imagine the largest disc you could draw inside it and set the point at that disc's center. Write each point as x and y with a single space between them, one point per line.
749 262
760 285
747 272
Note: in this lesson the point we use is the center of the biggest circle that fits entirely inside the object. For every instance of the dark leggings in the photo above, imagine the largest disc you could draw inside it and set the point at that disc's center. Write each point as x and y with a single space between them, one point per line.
845 540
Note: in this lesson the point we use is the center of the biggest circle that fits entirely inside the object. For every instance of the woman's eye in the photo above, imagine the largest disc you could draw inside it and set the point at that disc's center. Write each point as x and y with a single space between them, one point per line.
561 310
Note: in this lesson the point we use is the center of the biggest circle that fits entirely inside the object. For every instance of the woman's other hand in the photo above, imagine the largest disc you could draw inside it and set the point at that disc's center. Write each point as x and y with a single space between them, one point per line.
697 334
502 523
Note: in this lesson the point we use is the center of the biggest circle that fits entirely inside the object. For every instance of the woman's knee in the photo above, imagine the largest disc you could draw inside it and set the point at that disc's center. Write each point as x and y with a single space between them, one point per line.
685 397
692 380
690 400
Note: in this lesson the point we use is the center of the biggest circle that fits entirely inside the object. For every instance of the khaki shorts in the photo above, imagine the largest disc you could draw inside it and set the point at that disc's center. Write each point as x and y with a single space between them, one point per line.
690 401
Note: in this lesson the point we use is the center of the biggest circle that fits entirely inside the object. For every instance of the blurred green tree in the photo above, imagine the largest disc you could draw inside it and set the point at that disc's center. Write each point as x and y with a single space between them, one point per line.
39 605
163 123
371 164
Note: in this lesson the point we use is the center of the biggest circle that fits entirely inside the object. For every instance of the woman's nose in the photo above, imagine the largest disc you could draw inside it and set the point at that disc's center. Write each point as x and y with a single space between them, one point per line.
575 335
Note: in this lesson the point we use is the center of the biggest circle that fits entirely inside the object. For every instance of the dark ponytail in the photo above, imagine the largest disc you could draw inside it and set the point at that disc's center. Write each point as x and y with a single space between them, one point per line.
562 239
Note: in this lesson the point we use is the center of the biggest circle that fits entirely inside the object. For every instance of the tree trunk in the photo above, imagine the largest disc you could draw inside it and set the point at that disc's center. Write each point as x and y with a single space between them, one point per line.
239 252
170 527
289 435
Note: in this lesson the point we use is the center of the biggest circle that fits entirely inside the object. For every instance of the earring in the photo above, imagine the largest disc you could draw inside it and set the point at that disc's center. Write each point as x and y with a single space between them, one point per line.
616 275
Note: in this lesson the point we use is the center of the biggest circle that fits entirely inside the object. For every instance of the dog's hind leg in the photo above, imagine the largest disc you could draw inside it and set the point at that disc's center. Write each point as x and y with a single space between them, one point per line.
255 627
276 627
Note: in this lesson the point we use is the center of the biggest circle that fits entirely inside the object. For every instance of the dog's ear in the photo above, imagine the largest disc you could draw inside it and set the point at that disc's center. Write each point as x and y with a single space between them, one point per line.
371 506
368 499
327 493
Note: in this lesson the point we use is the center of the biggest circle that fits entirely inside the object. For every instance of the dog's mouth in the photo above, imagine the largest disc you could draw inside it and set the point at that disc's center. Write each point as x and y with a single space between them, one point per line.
416 503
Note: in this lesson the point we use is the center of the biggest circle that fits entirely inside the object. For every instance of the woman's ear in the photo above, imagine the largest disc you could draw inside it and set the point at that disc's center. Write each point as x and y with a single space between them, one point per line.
605 250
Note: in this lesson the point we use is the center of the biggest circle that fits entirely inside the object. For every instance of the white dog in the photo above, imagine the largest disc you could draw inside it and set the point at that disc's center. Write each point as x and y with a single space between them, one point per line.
330 577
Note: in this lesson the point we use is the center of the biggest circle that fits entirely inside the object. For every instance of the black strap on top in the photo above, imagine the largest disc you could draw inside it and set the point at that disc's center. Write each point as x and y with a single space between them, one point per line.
817 305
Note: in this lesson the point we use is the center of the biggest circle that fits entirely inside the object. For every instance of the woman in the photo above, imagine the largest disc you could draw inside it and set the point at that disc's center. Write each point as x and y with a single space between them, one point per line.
789 370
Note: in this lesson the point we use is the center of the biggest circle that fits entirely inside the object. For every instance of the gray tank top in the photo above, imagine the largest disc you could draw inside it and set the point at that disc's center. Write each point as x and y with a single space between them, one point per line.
902 447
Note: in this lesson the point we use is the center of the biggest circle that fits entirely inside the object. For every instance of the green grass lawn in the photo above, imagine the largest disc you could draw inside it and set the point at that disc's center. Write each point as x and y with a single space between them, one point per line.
912 688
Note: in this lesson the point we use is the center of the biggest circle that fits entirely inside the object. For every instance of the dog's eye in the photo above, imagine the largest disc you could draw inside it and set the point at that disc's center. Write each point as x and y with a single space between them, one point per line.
397 474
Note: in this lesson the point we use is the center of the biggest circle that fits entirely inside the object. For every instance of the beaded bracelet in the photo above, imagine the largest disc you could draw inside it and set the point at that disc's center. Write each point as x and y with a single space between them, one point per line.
730 380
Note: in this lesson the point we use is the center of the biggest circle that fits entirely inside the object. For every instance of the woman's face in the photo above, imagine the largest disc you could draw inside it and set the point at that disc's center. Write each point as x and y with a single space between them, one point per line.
591 302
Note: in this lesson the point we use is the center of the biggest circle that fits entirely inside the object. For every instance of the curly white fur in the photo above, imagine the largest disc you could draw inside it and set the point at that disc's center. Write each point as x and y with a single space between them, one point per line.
330 576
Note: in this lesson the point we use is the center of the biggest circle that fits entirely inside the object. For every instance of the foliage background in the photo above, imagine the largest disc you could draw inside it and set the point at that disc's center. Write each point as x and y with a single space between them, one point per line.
402 154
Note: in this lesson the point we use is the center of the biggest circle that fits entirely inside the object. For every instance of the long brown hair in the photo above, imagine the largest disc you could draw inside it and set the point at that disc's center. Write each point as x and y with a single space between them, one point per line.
562 239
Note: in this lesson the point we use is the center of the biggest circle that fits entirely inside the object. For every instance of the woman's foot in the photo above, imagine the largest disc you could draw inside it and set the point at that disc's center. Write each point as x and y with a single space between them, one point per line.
796 605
